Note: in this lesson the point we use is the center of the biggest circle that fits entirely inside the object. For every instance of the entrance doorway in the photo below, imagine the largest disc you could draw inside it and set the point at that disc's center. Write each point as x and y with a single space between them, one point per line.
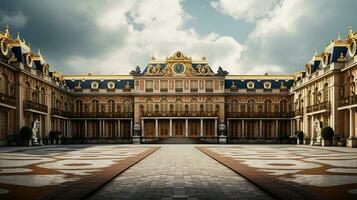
178 127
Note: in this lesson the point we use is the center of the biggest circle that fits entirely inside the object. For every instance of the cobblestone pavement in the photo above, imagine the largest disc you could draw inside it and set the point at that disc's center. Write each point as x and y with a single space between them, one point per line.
179 172
327 171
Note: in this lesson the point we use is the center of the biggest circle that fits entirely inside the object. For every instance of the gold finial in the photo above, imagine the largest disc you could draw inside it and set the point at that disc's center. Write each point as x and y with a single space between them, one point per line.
18 36
351 31
153 57
7 27
39 52
339 36
203 57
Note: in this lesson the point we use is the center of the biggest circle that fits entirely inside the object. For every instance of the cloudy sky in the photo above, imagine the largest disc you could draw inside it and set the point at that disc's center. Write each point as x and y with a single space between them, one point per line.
242 36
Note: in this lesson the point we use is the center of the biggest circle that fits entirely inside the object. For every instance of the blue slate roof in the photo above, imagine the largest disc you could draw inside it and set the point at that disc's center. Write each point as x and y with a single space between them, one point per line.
257 84
86 84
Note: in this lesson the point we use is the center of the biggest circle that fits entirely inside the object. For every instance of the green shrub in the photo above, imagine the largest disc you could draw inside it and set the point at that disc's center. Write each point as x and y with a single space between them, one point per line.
26 133
327 133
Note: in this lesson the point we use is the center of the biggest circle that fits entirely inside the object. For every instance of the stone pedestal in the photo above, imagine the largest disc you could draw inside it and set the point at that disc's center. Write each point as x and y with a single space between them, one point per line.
306 140
222 139
136 139
351 142
315 142
326 142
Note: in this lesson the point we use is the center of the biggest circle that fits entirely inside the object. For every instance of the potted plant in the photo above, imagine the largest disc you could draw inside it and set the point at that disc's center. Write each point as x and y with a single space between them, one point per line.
26 135
52 136
336 139
300 137
327 135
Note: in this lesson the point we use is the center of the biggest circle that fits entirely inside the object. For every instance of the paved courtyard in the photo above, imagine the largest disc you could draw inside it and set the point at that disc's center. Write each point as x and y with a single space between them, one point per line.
178 172
328 171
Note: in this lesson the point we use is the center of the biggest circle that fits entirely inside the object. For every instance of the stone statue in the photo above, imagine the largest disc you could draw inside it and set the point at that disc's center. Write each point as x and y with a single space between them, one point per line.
35 129
317 129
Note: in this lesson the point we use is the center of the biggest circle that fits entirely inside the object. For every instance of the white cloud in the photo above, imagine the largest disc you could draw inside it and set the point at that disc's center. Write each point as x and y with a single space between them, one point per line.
156 31
244 9
286 38
17 19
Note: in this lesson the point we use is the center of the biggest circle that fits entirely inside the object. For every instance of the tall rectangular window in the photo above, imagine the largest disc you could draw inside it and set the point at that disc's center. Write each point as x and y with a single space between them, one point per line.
194 86
163 86
178 85
149 86
209 86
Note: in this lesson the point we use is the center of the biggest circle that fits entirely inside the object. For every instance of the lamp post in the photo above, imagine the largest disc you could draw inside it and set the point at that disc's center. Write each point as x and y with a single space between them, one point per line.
222 139
136 136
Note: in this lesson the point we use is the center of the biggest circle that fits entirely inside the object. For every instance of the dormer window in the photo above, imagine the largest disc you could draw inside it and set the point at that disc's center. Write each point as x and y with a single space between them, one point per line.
250 85
95 85
111 85
29 60
267 85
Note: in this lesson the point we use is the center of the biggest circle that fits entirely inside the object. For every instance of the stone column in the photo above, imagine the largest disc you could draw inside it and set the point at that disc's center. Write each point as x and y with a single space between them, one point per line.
118 128
186 128
131 128
260 128
201 128
156 127
100 129
276 128
352 123
243 134
142 128
215 127
228 129
170 128
312 127
85 129
291 127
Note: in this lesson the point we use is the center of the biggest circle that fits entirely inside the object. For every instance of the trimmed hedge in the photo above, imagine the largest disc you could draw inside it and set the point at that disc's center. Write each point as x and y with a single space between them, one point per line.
327 133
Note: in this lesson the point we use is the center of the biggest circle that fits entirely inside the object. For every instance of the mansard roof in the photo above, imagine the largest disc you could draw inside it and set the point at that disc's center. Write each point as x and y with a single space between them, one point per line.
259 81
85 81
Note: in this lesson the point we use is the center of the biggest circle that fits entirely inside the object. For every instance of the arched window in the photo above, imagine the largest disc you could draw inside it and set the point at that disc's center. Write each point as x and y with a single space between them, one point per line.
95 106
28 90
111 106
325 91
283 106
316 95
163 104
53 100
309 98
209 105
251 103
194 105
149 105
267 105
79 106
43 96
35 96
179 105
4 84
234 106
127 106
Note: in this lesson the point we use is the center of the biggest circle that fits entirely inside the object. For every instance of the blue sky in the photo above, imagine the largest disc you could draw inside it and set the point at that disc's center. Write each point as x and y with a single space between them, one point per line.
242 36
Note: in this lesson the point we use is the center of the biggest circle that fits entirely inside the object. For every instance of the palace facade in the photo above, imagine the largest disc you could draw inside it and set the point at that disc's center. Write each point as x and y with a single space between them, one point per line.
178 97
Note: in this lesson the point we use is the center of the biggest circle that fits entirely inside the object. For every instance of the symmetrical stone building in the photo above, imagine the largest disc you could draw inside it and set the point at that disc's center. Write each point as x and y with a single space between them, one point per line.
178 97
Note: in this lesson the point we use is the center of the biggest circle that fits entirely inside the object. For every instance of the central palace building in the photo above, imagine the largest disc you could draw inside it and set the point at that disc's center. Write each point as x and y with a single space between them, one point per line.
178 97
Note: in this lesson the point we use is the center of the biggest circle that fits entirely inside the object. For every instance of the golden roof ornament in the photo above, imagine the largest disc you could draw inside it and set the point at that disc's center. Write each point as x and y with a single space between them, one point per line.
339 36
233 86
127 86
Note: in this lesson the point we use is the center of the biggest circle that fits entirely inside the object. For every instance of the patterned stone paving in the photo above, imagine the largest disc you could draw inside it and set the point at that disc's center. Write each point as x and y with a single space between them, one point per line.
27 173
179 172
329 171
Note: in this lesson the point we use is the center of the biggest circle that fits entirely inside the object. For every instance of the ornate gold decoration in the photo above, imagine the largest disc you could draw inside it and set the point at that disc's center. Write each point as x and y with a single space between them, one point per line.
29 59
282 86
78 86
341 57
233 86
4 47
127 86
352 47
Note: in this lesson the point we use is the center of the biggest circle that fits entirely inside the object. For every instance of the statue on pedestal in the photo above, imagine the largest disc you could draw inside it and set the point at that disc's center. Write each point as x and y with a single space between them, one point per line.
35 129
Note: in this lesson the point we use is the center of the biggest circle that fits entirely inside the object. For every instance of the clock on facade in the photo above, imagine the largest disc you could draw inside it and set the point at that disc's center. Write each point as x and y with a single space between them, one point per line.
178 68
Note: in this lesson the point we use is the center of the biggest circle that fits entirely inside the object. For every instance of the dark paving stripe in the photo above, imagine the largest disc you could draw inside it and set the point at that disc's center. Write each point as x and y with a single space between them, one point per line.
273 186
85 187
